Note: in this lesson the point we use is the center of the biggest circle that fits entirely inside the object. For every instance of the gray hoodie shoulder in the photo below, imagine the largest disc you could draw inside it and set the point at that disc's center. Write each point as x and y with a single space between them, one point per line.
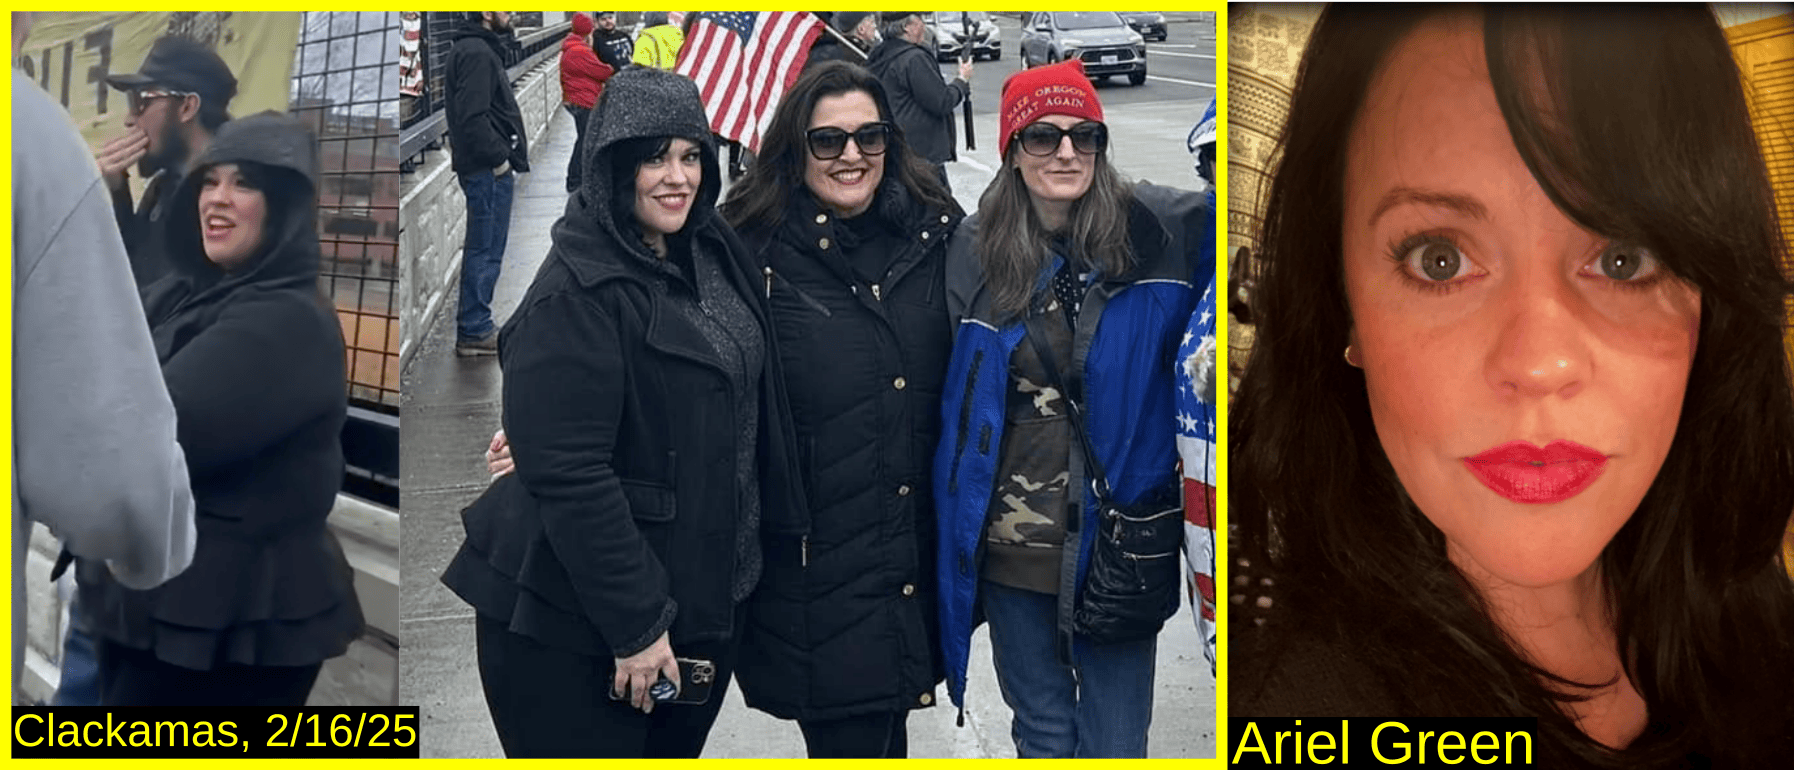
94 452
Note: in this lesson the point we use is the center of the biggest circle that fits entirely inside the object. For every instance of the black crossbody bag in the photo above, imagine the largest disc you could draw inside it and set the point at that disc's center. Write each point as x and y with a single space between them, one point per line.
1132 584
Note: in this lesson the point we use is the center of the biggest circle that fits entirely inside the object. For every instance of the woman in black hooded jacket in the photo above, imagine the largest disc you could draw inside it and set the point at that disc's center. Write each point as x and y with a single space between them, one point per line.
644 407
252 355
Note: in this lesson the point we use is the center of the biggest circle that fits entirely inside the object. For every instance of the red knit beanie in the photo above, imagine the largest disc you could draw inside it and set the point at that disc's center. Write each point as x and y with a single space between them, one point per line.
1056 89
582 24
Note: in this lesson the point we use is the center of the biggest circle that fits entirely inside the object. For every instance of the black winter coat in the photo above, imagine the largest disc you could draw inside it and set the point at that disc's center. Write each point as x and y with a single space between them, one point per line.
254 363
484 124
844 620
613 48
921 102
620 522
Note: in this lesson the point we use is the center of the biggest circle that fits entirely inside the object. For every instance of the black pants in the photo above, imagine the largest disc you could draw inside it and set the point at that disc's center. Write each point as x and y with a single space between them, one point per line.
575 167
547 702
133 677
869 736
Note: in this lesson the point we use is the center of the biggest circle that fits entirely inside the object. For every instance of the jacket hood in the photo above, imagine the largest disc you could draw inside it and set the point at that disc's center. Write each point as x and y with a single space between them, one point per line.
888 50
289 248
474 29
639 102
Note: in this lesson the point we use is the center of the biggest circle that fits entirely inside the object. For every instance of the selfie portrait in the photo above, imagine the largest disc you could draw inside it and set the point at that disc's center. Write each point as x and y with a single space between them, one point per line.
1512 430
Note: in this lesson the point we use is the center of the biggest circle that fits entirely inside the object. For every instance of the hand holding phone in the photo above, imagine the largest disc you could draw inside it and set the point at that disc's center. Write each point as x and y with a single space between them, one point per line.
637 673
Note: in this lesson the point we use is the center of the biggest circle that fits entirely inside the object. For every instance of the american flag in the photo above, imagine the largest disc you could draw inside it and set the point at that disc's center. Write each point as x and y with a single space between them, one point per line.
743 61
1196 448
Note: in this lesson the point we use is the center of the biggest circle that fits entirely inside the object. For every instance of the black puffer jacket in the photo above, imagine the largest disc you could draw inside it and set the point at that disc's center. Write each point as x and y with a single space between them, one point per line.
621 520
844 620
254 363
484 123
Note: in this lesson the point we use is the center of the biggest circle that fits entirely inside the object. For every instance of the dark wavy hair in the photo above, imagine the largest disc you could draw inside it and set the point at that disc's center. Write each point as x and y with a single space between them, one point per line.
626 157
1635 123
759 199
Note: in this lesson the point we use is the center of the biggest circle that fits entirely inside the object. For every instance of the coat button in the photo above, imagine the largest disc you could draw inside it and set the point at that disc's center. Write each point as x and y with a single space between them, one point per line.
924 235
945 219
823 243
822 219
927 698
903 490
899 383
909 589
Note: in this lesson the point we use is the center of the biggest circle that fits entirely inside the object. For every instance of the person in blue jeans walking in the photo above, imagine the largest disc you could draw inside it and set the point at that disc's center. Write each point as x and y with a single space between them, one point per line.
1060 242
487 138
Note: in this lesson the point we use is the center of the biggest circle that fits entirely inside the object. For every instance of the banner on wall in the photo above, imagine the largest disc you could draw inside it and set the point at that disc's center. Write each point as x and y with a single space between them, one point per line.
71 54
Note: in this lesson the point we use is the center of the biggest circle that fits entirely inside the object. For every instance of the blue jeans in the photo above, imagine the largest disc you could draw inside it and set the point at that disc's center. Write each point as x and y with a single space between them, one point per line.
80 682
1099 707
483 250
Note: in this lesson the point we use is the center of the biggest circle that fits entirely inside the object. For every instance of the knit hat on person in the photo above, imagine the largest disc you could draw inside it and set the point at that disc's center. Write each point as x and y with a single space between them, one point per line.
887 17
582 24
845 21
1056 89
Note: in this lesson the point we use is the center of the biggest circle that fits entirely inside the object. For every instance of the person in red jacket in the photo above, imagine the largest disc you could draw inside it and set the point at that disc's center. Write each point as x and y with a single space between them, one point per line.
582 80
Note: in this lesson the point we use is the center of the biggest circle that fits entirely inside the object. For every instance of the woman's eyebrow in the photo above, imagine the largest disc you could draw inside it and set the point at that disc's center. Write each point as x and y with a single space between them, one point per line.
1459 202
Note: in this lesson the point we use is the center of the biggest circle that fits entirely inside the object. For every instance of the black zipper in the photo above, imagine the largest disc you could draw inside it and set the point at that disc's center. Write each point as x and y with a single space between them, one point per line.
801 294
965 419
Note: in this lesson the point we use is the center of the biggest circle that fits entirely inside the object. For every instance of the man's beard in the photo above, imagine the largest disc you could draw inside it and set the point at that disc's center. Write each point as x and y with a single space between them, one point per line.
172 155
501 26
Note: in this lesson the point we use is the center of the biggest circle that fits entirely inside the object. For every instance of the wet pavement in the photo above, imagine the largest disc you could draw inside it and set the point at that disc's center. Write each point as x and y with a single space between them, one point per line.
451 408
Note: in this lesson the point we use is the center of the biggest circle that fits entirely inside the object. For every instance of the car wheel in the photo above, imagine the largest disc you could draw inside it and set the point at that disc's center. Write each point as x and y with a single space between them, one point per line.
996 53
1136 78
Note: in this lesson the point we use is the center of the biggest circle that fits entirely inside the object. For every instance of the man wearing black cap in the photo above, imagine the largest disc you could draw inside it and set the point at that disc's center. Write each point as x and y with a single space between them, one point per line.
174 103
921 103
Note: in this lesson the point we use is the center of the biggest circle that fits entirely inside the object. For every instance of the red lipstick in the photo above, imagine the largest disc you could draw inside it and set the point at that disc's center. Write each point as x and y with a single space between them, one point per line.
1525 473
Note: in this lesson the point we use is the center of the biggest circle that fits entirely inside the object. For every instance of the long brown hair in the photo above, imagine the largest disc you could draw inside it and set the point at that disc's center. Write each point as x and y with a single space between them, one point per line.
1634 122
1013 245
759 199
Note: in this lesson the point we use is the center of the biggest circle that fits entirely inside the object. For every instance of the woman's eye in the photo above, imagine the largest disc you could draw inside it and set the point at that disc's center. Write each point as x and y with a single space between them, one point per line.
1436 260
1625 262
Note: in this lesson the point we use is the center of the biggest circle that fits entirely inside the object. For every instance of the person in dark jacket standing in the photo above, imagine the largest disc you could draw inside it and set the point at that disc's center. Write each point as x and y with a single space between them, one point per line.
582 80
253 358
921 102
489 144
613 46
851 231
643 396
174 104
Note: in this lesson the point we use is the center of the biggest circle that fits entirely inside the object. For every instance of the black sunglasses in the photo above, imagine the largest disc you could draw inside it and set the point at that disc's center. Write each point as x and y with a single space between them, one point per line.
828 142
1088 138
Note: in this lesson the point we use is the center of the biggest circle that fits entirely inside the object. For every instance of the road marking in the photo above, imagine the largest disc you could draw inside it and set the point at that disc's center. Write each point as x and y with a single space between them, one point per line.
1184 55
977 164
1184 82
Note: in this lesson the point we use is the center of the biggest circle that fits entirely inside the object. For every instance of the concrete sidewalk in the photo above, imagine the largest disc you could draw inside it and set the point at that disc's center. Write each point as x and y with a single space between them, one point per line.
451 407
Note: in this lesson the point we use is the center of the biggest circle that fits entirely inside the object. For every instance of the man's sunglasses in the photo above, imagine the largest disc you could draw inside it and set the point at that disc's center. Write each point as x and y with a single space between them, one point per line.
828 142
140 100
1088 138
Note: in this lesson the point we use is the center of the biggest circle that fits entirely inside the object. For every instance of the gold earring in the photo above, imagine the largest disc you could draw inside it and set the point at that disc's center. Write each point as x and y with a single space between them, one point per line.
1349 361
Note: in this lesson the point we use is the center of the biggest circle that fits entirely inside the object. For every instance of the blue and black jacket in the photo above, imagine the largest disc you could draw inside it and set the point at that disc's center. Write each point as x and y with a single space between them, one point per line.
1124 351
